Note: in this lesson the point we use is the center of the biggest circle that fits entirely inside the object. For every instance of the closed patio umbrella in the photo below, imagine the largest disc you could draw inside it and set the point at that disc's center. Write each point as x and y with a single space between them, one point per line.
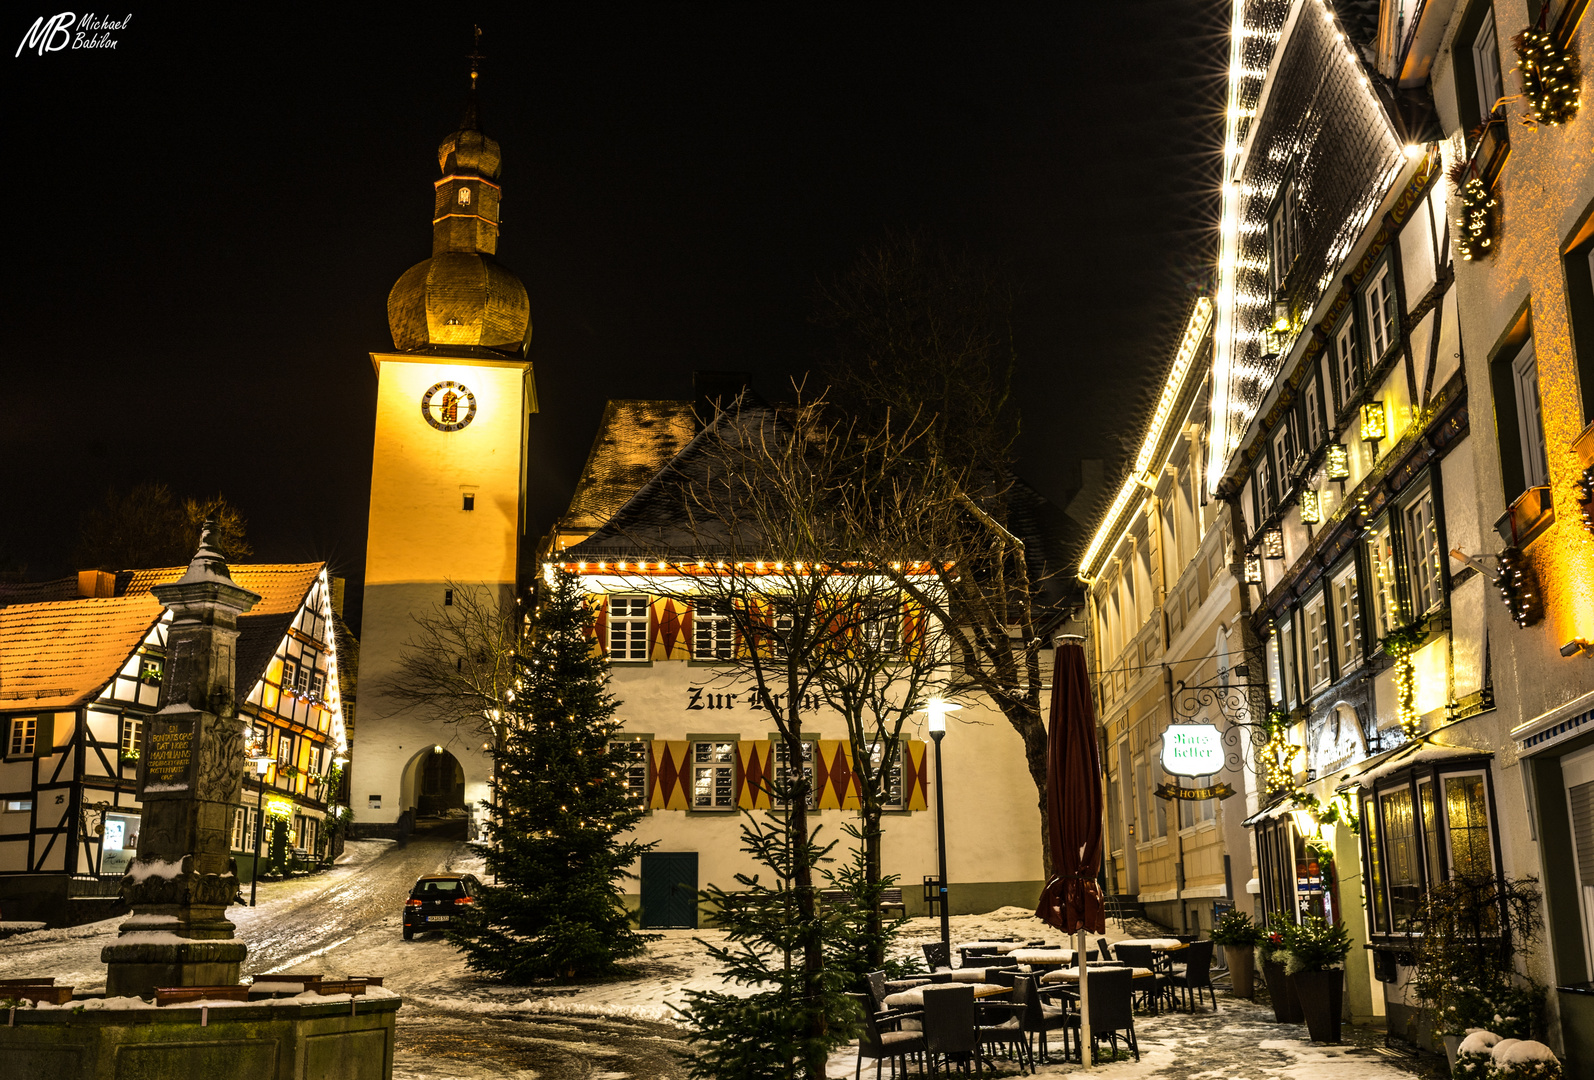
1071 900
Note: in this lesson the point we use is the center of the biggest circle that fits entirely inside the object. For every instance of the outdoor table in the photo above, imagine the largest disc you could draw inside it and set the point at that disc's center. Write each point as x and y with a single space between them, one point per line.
1160 944
1072 974
1043 957
915 998
1001 947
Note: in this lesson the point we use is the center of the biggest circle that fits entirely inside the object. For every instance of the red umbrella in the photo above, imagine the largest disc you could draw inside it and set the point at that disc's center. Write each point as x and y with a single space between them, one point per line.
1071 900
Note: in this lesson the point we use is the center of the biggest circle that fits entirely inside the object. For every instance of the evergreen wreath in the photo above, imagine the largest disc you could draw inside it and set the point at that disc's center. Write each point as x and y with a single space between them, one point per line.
1585 497
1551 75
1478 206
1514 581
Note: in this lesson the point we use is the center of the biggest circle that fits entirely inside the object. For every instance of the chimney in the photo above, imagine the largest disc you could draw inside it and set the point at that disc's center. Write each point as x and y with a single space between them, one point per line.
92 584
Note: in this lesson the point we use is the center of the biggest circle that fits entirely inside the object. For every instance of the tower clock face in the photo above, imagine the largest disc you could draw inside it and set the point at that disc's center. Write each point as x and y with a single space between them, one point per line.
449 406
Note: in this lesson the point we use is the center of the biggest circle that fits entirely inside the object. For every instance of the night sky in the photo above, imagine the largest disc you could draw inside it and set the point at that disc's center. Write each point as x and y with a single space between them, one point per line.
205 223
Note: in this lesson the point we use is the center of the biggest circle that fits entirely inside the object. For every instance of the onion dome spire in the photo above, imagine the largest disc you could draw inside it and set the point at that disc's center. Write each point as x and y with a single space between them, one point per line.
461 296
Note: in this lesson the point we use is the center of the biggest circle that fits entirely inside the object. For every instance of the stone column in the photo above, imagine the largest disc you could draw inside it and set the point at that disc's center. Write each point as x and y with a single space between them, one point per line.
190 778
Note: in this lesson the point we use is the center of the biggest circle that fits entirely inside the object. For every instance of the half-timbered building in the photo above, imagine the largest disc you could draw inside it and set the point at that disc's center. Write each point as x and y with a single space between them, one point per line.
81 666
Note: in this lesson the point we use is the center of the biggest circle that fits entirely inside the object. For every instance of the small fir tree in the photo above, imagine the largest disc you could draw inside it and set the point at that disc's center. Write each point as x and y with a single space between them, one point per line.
556 847
786 1028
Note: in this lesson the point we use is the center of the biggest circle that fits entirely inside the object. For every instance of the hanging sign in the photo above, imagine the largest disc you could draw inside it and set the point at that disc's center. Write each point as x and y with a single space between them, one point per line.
1173 791
1192 750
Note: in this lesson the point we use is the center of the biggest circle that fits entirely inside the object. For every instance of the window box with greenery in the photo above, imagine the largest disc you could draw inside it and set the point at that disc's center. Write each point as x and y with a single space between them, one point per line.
1315 964
1239 937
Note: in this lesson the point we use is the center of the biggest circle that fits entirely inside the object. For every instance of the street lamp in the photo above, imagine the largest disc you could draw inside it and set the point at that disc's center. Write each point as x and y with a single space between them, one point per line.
936 709
262 765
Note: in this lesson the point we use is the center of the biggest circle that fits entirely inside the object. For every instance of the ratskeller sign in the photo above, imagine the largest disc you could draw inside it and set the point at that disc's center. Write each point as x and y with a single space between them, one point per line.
1192 750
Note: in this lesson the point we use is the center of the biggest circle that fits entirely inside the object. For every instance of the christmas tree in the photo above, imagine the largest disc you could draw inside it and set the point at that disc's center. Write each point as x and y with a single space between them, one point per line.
555 847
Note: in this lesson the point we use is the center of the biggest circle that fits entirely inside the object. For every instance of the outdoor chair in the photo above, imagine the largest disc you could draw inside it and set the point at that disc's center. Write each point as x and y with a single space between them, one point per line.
1196 975
880 1039
1111 1011
1103 949
880 987
1003 976
937 955
1150 989
1003 1022
1035 1017
950 1028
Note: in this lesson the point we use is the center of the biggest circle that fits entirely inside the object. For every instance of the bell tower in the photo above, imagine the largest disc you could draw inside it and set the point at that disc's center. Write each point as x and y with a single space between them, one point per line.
448 469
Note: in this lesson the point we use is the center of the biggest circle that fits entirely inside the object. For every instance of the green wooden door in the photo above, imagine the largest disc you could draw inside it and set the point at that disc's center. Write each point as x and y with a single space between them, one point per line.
669 890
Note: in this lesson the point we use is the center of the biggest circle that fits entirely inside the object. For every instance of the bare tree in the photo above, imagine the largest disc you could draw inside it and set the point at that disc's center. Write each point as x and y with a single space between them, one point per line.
923 330
148 526
458 665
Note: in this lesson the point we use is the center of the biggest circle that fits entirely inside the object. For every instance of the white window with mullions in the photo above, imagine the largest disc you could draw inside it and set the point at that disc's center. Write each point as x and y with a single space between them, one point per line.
714 776
634 768
785 778
1421 536
1486 65
24 736
713 632
1347 617
1285 452
1284 228
1530 417
132 735
1383 320
1347 365
882 625
1316 431
628 628
1318 668
888 774
1386 594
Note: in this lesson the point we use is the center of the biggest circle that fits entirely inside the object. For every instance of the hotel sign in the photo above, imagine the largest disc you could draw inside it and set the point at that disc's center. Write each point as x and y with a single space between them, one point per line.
1192 750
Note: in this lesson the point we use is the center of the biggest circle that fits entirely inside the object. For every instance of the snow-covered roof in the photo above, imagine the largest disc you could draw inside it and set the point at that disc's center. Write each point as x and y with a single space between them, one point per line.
1419 751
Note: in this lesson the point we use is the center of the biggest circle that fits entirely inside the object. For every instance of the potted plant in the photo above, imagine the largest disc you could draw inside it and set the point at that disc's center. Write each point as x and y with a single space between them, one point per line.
1523 1059
1239 936
1270 952
1473 1059
1315 964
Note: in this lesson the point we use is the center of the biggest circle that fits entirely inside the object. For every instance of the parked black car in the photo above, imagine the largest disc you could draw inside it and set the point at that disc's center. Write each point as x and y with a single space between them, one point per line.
440 901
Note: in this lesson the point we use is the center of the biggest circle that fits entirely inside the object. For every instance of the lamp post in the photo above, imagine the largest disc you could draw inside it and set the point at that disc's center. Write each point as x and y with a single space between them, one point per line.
936 709
261 764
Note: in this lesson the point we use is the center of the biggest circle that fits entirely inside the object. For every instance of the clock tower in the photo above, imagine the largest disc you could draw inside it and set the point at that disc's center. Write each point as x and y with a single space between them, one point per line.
448 475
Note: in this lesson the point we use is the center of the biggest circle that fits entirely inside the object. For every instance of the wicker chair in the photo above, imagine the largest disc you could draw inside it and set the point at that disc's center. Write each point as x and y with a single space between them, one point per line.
880 1039
950 1026
1195 975
1111 1010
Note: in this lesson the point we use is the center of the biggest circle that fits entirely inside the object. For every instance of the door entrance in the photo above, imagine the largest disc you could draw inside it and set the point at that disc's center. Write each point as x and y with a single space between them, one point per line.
669 890
441 788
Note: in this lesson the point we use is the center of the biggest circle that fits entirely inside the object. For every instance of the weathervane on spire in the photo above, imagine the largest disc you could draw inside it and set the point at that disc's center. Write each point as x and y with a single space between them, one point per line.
475 57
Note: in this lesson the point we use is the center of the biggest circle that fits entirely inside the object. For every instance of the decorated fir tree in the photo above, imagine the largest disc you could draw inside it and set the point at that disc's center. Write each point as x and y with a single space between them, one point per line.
556 848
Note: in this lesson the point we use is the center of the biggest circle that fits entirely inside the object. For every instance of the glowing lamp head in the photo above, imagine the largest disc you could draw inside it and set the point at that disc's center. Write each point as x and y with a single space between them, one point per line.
262 765
1305 823
438 749
1375 422
1336 463
1273 543
1311 507
936 709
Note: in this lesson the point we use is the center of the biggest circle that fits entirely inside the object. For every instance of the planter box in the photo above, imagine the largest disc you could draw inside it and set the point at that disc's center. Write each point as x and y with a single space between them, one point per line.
1322 1000
1242 970
1286 1006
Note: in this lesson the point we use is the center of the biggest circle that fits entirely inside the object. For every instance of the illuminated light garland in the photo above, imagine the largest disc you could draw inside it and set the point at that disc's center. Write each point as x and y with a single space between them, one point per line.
1515 582
1585 497
1311 507
1550 76
1478 206
1253 570
1278 756
1273 543
1399 645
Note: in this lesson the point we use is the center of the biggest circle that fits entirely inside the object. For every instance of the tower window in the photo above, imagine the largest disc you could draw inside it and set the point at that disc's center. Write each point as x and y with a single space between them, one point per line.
464 196
448 597
470 500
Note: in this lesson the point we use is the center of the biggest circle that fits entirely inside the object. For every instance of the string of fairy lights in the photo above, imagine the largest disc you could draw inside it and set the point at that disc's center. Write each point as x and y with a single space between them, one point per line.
1550 75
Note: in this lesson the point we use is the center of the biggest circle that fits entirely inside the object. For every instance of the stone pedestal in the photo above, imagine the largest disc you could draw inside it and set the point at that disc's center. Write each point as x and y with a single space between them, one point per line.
190 776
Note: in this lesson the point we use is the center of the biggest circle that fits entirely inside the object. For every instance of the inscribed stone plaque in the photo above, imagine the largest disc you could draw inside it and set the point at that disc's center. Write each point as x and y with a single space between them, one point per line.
170 752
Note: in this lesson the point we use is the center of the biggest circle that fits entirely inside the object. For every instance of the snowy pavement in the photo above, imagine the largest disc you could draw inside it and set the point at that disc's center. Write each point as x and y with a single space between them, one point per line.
456 1026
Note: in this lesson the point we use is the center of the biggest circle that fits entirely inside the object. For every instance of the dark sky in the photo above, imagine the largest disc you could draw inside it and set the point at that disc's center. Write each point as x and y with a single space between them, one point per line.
206 220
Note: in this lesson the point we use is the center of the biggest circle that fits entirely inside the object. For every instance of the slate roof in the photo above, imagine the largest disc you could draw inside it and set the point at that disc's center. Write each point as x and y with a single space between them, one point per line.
635 440
54 655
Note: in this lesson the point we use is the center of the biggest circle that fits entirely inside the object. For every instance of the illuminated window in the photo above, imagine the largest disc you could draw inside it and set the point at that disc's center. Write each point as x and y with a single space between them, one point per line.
1422 548
628 628
1400 850
1317 665
891 780
1263 482
132 735
1386 600
464 196
1290 661
1285 452
713 633
1382 318
290 672
18 806
1314 418
634 768
24 736
1347 371
1347 619
784 780
714 776
284 749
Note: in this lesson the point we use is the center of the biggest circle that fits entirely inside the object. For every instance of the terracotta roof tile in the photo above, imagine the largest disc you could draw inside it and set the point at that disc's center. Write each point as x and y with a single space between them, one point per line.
54 655
282 586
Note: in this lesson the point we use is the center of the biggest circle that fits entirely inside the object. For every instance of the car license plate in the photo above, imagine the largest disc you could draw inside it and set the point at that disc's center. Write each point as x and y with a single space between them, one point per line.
437 918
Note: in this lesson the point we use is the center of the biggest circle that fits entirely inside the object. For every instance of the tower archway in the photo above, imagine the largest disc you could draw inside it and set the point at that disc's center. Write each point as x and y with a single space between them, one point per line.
439 784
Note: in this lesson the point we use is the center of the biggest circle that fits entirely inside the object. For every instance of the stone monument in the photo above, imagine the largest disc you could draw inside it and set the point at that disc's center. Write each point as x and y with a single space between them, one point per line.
192 758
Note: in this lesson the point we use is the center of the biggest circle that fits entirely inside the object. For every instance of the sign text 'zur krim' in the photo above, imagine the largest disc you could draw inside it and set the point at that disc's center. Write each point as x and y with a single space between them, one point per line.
1192 750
